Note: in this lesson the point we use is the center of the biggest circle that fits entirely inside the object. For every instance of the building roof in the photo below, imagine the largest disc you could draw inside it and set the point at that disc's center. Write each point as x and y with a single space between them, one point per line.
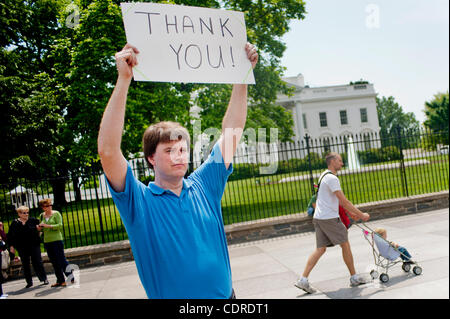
20 190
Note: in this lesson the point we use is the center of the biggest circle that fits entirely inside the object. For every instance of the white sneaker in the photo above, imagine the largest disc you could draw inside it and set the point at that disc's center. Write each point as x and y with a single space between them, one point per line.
357 280
304 285
4 296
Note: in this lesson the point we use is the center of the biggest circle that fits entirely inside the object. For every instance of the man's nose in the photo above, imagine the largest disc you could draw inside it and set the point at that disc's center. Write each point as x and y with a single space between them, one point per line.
178 155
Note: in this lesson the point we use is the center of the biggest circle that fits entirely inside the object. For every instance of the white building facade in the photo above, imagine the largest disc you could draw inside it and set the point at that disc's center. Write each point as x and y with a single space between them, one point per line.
331 111
323 113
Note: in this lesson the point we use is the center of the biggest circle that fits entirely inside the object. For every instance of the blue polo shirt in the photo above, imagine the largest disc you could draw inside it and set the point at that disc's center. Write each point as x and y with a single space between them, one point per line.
178 242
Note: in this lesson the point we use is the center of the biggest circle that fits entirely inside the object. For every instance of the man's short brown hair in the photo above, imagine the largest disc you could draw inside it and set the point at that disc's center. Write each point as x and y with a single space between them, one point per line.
331 156
162 132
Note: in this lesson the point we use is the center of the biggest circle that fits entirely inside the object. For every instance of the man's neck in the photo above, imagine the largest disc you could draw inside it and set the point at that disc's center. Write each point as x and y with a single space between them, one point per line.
332 170
175 185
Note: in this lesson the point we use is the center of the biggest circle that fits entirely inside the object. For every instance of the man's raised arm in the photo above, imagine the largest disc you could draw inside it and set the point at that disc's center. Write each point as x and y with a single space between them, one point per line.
111 127
235 117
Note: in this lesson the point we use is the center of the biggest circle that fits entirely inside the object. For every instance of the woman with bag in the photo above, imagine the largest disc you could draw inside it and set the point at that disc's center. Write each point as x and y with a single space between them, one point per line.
51 225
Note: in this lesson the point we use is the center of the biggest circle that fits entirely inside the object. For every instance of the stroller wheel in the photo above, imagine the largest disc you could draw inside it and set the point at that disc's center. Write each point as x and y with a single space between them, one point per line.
374 274
384 278
417 270
406 267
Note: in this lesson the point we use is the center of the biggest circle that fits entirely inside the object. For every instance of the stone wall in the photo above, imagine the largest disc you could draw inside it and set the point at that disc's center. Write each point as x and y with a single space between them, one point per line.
291 224
115 252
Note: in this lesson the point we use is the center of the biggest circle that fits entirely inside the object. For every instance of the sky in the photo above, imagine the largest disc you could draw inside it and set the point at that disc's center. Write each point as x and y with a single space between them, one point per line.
400 46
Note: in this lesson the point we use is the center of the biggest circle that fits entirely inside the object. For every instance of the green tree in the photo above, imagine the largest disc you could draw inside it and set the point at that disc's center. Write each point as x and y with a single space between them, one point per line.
91 75
56 79
29 98
437 119
436 112
394 121
267 22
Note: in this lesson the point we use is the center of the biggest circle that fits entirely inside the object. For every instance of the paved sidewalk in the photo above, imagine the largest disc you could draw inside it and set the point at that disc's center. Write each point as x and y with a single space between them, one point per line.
268 268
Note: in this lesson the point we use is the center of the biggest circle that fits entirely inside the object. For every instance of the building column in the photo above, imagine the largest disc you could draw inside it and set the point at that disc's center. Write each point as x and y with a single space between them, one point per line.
298 119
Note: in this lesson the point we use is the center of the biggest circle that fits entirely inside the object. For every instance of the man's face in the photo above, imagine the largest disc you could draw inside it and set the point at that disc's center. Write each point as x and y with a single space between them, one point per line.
171 159
337 163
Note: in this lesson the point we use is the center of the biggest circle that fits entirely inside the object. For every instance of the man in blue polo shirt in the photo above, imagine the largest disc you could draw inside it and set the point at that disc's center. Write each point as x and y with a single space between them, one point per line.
174 224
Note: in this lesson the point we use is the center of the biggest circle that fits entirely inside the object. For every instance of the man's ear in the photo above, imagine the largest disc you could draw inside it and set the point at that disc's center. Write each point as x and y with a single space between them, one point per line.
151 160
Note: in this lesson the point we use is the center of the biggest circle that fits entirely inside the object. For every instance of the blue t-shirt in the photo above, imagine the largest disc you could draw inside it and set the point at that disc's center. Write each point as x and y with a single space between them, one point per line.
179 243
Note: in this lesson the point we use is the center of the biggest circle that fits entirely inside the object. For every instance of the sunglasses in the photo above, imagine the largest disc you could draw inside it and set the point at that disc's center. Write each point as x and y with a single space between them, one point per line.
23 213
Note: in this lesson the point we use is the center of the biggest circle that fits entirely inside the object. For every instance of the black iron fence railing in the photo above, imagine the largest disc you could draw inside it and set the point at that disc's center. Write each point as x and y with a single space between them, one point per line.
268 180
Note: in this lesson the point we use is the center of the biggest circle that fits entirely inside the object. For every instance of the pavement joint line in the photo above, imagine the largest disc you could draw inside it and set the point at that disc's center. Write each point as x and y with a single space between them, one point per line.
279 262
266 240
104 284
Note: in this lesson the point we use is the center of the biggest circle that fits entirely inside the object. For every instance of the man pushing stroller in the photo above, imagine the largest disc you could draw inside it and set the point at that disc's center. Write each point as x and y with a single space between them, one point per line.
330 231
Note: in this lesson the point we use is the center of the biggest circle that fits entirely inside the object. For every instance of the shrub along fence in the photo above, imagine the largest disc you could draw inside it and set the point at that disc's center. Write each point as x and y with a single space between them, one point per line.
268 181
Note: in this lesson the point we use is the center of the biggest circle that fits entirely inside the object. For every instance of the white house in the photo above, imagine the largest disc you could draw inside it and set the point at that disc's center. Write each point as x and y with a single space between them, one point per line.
327 111
322 113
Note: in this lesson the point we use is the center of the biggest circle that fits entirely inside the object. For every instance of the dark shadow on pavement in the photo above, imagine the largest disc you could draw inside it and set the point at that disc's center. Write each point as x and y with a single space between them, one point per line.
25 290
48 292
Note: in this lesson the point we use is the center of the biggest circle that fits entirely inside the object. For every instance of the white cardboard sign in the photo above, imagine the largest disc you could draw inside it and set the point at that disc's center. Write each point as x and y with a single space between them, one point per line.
187 44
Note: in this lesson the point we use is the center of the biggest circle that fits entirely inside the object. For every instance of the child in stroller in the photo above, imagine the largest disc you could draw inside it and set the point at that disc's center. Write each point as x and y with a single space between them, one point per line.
404 254
386 254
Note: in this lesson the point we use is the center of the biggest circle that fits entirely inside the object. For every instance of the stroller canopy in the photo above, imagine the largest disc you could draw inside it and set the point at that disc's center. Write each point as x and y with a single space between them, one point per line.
385 249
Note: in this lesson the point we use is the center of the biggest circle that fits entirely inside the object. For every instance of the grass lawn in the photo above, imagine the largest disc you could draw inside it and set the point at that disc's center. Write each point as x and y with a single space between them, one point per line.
256 198
82 223
245 200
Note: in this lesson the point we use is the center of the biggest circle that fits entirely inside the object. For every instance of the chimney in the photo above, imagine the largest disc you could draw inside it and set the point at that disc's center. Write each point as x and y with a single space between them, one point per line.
300 80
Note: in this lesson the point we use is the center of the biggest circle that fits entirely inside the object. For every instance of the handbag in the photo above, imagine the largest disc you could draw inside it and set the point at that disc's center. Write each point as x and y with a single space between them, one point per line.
344 217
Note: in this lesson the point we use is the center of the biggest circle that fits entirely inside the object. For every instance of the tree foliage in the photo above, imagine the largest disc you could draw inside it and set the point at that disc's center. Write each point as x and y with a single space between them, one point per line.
437 115
436 112
394 121
30 101
56 79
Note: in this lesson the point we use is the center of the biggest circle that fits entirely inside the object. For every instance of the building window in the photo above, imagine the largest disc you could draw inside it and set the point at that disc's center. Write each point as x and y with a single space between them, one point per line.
343 115
323 119
363 113
304 120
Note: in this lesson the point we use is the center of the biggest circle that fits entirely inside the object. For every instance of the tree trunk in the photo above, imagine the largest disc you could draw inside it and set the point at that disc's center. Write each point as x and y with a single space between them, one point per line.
59 196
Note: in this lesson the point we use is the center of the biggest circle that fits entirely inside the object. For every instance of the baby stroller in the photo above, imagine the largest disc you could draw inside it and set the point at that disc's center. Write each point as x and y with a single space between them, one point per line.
385 255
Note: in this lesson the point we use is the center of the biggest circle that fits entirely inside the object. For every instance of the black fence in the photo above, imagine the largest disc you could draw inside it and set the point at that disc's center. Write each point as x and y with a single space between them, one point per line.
267 181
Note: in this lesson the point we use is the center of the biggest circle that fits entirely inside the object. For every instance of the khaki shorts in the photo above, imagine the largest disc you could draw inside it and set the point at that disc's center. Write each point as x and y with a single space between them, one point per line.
330 232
